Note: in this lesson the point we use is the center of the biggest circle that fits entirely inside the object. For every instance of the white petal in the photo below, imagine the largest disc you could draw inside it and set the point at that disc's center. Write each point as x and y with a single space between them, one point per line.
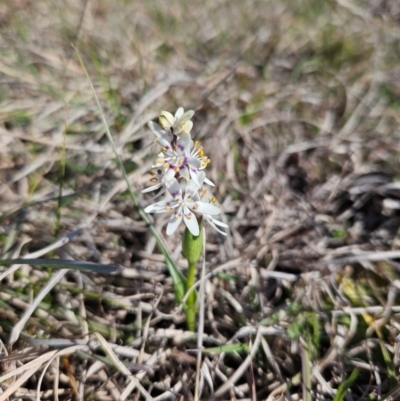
166 120
191 189
185 143
201 176
164 142
174 188
194 162
184 173
158 207
194 177
186 127
174 222
205 208
219 223
187 116
179 113
212 223
158 194
191 222
169 175
209 182
196 198
152 188
156 129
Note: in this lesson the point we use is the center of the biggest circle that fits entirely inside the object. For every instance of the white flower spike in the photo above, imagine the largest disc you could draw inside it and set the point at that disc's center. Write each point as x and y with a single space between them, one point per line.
179 169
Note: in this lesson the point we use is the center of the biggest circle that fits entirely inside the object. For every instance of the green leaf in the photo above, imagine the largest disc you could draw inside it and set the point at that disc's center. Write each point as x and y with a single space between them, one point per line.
64 264
389 364
344 387
228 348
178 279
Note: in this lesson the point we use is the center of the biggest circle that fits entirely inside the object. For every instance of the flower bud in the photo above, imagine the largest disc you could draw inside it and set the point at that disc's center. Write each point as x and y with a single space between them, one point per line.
192 245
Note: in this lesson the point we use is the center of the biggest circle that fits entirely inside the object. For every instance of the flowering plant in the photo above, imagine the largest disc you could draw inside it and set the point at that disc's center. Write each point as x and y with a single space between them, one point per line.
179 171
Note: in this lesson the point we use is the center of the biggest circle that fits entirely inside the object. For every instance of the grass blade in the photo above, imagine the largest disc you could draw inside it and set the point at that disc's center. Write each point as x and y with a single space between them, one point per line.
227 349
344 387
64 264
306 370
389 364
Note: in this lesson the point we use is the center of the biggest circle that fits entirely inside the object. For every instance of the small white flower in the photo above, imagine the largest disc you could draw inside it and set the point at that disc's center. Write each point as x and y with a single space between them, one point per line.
183 200
176 157
158 180
182 158
180 123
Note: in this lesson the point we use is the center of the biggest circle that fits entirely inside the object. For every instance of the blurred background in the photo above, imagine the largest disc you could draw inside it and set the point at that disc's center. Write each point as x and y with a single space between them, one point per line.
297 106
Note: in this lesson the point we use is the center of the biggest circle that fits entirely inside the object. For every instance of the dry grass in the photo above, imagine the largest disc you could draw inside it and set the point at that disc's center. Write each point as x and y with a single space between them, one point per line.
297 105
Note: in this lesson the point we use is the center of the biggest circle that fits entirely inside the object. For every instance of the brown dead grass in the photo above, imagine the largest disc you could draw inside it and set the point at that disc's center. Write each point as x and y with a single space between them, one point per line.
297 105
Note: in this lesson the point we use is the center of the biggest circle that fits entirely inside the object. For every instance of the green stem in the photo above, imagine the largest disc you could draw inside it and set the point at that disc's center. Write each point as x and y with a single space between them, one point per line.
192 246
191 308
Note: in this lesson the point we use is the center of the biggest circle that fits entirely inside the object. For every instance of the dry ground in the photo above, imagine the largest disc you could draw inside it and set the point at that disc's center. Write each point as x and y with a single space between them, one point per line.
297 105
